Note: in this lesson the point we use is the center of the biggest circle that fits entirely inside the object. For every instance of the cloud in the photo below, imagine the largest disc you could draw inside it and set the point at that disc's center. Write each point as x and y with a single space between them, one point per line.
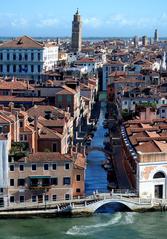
92 22
20 22
48 22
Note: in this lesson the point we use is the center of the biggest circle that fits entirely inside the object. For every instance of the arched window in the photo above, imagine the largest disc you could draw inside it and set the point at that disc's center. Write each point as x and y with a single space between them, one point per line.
159 175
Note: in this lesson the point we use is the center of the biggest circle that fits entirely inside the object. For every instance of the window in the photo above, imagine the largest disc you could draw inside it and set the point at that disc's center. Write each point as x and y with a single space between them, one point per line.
54 181
46 198
54 147
21 167
26 57
39 68
60 98
25 137
1 68
20 57
11 182
67 166
46 166
21 124
14 68
21 137
14 56
39 56
34 182
1 56
33 198
78 178
159 175
163 111
67 196
66 181
54 166
8 56
54 197
32 68
12 167
20 68
12 199
21 199
32 56
46 182
34 167
78 190
8 68
21 182
69 98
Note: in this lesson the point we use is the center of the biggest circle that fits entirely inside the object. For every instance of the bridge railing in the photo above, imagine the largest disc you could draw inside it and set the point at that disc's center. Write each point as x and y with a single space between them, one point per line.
124 192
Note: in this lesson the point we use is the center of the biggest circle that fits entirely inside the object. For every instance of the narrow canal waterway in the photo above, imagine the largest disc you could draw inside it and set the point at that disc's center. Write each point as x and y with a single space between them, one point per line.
127 225
96 176
119 225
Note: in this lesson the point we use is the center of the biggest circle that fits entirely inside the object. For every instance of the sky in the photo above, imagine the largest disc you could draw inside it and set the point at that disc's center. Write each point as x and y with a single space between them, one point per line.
101 18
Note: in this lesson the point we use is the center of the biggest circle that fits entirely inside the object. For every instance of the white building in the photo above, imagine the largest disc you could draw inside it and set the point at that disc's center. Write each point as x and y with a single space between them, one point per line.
89 64
27 58
144 151
152 174
3 169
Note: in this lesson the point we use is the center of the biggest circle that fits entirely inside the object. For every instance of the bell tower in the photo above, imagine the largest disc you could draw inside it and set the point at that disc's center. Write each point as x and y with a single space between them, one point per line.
76 41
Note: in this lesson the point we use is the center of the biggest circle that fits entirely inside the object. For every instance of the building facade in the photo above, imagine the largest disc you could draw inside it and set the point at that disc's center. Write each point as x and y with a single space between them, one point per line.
27 58
144 151
44 177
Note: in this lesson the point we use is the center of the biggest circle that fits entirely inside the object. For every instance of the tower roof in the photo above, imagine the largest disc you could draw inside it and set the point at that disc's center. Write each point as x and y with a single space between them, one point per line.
77 12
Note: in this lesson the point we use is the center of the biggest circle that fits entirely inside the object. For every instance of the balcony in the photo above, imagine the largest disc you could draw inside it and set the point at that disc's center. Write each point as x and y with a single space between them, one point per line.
39 182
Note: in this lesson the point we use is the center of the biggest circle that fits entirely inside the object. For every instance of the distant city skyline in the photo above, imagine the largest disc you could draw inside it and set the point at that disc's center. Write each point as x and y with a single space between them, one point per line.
107 18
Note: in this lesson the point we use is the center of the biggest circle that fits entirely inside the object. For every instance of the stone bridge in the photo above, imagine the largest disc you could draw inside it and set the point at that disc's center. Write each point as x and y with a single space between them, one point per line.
85 205
131 201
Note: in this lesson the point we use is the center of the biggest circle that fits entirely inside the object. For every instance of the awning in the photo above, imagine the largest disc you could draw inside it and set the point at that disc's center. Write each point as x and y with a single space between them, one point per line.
38 177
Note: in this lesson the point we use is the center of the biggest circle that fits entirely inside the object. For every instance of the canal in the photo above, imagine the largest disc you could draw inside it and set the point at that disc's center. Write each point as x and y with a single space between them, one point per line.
96 176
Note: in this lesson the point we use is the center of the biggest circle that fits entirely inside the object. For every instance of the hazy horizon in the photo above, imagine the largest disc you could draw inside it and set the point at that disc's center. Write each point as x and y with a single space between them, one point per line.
125 18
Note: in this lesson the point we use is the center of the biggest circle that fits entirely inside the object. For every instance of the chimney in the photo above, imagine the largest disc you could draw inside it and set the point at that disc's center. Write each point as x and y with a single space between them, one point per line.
11 106
1 107
27 85
36 134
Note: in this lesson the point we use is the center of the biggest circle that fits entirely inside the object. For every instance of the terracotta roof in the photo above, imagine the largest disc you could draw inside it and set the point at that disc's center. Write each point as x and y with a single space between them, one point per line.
65 90
52 123
46 157
40 110
20 99
148 147
46 133
15 85
86 60
22 42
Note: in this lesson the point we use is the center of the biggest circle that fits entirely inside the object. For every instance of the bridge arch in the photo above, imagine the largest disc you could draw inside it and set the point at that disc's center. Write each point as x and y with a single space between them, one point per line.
114 205
98 204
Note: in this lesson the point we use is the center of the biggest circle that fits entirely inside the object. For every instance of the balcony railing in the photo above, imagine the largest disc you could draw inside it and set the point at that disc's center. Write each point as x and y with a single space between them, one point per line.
40 187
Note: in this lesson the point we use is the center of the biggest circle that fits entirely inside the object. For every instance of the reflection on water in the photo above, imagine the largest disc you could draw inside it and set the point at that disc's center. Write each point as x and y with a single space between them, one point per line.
96 176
